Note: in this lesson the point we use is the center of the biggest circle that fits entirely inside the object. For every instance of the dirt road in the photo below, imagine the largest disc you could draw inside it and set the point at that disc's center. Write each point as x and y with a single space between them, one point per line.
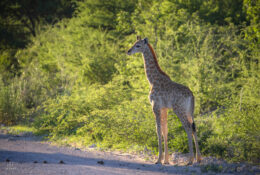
27 155
24 155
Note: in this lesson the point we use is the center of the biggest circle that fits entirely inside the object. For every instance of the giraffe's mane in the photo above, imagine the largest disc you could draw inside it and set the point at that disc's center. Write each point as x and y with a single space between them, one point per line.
156 61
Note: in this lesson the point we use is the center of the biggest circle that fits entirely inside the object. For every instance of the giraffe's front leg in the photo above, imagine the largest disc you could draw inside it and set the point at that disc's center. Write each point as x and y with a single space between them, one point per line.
156 112
165 134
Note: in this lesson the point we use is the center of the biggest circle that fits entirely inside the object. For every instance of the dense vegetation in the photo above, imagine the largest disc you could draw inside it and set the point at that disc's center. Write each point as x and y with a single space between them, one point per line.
67 74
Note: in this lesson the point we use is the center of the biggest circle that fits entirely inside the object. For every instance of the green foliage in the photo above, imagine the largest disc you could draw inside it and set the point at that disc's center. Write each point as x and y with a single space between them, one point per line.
243 143
8 65
75 80
211 167
252 7
12 108
30 14
18 130
107 14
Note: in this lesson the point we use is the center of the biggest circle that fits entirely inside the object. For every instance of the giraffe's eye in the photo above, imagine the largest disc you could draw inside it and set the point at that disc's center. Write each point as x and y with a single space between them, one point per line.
138 46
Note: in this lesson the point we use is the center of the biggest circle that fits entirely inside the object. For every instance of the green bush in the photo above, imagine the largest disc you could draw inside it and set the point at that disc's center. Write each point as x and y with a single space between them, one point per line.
12 108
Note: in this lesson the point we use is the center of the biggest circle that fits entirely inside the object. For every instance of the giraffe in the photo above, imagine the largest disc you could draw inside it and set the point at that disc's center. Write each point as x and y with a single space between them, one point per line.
166 94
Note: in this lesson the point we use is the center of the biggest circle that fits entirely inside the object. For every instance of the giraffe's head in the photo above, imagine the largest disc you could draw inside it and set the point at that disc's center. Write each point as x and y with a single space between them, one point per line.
138 46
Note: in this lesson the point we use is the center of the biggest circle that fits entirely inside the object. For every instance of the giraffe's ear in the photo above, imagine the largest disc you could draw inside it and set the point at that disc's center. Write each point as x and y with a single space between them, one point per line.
138 37
145 40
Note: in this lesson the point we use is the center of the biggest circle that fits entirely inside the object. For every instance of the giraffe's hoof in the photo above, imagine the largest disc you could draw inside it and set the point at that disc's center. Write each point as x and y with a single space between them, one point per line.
189 163
199 159
166 162
158 162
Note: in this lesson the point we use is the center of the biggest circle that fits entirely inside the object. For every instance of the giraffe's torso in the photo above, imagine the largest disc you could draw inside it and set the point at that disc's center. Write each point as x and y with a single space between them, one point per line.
168 94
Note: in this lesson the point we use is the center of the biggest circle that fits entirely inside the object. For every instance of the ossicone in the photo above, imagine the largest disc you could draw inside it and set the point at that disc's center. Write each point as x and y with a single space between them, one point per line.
138 37
146 40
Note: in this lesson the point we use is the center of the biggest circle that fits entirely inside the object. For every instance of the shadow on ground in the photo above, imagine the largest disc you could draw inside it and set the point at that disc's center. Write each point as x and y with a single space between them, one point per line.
46 154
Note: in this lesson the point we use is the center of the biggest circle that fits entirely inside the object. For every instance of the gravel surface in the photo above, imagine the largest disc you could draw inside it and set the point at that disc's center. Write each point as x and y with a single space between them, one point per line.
26 154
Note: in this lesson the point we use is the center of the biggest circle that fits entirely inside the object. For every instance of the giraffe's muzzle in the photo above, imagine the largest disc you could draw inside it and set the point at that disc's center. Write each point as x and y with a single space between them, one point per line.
129 52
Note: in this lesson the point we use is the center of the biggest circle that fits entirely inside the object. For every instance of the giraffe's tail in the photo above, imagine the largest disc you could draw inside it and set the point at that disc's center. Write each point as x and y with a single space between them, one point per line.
193 126
190 111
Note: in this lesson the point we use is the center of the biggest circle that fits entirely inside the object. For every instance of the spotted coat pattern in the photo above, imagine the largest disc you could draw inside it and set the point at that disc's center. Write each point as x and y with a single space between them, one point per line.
166 94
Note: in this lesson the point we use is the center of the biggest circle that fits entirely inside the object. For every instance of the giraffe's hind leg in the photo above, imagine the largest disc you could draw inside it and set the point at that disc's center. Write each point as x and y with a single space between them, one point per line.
189 134
193 129
187 126
198 155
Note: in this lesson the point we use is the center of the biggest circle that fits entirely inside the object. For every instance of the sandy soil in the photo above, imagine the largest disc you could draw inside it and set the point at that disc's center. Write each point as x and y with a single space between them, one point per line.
24 155
28 155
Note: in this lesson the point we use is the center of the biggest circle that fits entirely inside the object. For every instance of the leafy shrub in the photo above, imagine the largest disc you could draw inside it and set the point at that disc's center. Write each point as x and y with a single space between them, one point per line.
12 108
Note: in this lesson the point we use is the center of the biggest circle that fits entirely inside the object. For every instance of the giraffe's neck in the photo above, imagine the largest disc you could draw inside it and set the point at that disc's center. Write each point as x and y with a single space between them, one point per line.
152 69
